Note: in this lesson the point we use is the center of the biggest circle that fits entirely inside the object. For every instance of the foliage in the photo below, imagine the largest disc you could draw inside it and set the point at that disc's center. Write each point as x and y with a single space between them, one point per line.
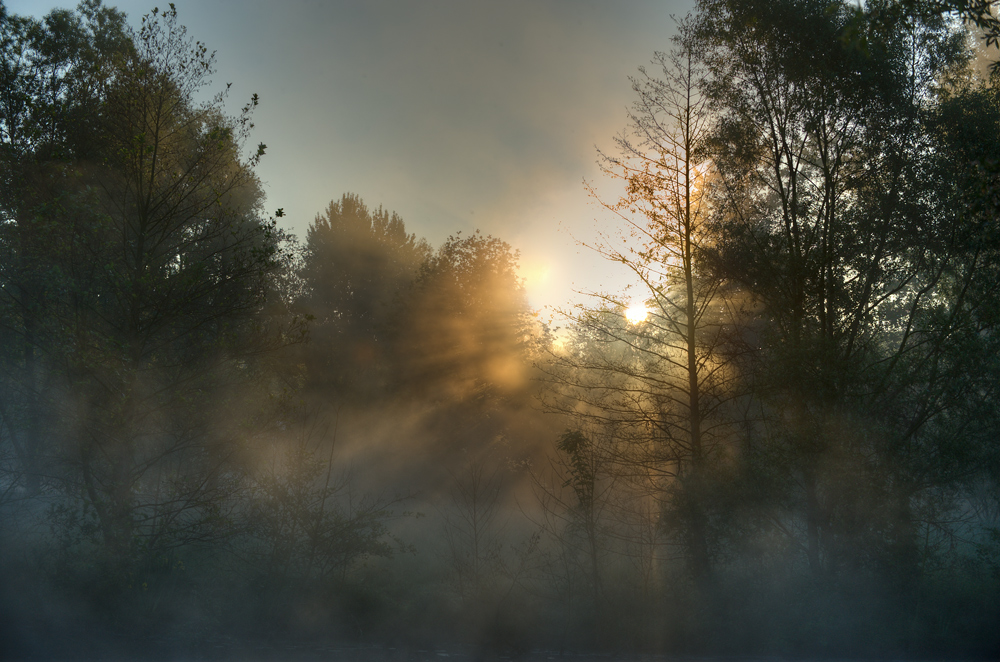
809 186
855 259
660 385
357 266
137 269
466 329
306 523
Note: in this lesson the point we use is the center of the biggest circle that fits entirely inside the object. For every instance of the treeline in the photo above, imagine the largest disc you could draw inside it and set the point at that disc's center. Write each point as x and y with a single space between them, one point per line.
803 415
787 445
206 427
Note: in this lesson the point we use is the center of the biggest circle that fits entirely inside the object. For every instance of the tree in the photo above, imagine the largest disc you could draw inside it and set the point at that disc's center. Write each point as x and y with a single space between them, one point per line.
474 534
158 268
307 525
357 266
834 221
466 329
660 379
51 72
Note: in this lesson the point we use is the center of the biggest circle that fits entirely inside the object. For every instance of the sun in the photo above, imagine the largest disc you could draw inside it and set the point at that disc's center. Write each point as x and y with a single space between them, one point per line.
636 313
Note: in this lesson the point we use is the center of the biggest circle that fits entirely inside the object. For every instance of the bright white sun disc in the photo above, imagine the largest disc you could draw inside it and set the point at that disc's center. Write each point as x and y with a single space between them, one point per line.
636 313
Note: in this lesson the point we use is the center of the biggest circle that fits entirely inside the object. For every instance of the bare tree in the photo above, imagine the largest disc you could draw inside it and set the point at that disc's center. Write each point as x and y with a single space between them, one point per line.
658 372
474 530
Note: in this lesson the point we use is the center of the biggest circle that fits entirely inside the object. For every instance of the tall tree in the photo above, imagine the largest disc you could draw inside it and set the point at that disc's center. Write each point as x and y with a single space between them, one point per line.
660 375
52 70
357 265
158 265
854 256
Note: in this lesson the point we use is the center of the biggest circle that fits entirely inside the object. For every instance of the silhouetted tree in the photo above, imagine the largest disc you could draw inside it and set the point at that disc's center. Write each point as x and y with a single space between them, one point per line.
857 259
50 80
357 266
659 378
137 274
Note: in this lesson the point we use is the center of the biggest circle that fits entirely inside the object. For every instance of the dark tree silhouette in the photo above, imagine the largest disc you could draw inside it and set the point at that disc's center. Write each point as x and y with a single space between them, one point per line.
135 279
357 266
858 259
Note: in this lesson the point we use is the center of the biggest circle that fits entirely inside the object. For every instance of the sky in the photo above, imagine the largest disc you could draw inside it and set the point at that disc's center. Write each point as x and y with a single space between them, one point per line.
459 115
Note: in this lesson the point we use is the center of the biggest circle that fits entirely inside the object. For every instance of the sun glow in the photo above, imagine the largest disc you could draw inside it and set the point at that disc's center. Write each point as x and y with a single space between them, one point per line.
636 313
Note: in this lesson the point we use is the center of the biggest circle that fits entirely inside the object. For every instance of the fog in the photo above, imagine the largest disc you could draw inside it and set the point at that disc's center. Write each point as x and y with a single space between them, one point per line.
222 441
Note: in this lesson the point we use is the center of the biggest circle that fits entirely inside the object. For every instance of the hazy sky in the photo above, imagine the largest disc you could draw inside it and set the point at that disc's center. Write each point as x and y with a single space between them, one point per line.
458 115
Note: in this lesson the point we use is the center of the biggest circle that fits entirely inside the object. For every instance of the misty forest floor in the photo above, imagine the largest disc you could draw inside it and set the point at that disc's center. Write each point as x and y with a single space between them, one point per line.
220 647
